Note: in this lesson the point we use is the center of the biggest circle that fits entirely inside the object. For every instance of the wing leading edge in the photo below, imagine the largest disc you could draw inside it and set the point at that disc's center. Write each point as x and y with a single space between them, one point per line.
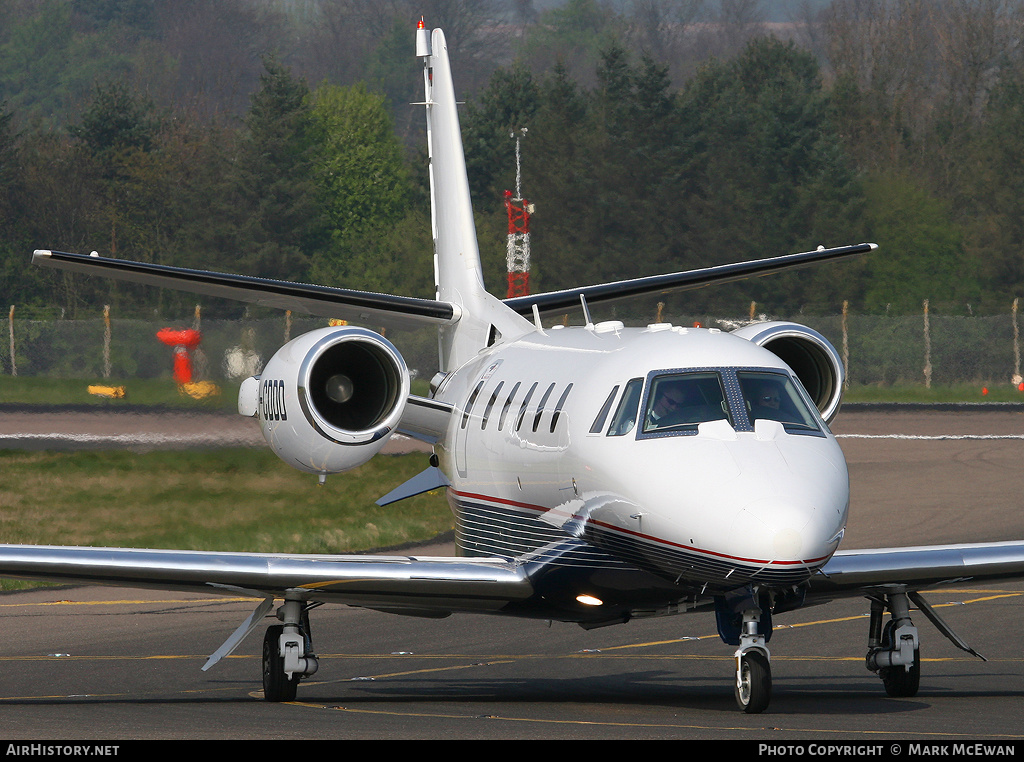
861 572
437 586
681 281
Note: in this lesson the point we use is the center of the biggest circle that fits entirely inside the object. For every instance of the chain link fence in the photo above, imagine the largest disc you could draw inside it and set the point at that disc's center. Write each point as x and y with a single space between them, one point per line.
881 350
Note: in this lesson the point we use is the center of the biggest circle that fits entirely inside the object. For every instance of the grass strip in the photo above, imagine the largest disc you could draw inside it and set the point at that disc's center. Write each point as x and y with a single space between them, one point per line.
232 499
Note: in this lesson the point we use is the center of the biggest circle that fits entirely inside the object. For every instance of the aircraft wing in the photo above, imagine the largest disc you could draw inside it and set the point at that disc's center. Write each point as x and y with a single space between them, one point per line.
324 301
423 585
681 281
860 572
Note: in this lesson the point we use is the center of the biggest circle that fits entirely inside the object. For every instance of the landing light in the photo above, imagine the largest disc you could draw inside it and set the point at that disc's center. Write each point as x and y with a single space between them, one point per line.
589 600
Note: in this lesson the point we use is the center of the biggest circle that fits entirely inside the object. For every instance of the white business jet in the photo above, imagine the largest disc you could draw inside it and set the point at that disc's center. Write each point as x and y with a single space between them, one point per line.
597 473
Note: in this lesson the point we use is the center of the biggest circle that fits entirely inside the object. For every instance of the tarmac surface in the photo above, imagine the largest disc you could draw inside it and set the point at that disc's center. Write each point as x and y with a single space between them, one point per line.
82 663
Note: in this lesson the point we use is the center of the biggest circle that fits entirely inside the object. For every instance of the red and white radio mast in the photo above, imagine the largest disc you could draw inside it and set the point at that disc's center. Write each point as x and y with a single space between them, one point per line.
519 211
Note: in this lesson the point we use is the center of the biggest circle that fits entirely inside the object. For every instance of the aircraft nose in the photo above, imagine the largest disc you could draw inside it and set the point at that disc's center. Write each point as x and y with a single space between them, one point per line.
789 530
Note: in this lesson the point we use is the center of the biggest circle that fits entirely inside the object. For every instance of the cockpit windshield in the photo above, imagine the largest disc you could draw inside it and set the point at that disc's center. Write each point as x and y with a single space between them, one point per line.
775 397
679 402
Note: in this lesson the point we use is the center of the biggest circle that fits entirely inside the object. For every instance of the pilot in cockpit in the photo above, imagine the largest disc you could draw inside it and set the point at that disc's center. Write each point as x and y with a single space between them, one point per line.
669 399
767 402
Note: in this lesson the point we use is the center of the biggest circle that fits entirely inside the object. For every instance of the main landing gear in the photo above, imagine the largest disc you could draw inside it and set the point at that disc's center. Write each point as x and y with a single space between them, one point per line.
894 650
288 652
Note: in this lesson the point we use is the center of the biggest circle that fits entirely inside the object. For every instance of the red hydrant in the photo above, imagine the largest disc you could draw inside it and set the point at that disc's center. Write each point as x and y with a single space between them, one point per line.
184 340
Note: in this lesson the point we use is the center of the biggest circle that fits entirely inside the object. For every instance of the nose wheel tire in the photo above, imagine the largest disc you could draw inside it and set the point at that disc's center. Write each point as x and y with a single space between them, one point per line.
753 682
277 686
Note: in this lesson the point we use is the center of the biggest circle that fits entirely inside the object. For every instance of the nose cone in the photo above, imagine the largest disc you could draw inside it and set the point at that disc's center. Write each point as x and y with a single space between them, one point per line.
791 529
729 510
788 509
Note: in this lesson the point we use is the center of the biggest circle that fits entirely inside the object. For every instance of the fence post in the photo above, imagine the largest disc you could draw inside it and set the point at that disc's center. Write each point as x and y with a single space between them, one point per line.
846 345
1016 347
10 323
106 341
927 350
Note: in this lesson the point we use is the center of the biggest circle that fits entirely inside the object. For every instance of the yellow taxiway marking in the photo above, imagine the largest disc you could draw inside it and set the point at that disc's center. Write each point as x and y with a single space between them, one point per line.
665 725
126 602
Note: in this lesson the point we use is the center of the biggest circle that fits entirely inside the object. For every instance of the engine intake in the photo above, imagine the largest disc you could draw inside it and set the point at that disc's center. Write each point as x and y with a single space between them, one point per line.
329 400
809 355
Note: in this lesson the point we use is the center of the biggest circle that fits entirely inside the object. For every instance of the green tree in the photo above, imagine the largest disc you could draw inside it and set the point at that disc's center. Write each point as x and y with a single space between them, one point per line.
922 256
135 14
362 186
573 34
116 121
993 199
508 103
276 177
766 171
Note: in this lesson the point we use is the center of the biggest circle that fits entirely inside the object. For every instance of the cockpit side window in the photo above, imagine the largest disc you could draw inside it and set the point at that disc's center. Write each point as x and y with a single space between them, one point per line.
625 414
678 402
602 414
774 396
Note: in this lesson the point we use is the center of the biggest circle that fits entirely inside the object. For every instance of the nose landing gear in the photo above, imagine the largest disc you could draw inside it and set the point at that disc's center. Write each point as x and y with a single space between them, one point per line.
744 620
753 667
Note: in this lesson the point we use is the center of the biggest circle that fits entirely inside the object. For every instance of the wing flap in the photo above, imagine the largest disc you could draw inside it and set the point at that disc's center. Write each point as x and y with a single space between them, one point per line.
322 301
422 583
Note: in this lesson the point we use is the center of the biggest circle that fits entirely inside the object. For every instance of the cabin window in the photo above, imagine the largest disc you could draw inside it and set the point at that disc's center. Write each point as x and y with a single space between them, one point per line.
679 402
540 407
490 404
602 414
472 401
522 408
625 414
774 397
507 405
558 407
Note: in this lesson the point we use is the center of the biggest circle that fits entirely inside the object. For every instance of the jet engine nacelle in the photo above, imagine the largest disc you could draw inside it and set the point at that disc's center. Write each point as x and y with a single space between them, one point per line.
810 356
329 400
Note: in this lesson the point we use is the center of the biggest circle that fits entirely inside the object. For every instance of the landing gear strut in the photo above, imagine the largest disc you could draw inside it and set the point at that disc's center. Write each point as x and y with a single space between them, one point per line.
744 619
894 651
753 666
288 652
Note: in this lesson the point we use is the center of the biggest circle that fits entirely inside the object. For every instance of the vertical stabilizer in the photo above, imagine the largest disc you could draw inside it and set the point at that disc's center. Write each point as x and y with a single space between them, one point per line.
457 272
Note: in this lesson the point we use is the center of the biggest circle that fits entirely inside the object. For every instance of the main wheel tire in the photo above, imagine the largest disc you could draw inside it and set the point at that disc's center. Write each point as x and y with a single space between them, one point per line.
900 682
754 683
276 684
